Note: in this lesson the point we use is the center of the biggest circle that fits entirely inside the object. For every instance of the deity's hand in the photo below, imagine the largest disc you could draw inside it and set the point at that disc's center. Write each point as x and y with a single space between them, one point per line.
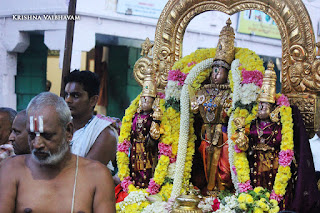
155 130
240 138
193 100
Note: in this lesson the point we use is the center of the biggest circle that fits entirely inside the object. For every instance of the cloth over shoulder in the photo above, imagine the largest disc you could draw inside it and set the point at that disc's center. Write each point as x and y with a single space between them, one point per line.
84 138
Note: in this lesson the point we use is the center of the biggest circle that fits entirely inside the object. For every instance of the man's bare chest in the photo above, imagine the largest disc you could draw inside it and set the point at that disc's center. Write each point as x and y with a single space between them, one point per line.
54 194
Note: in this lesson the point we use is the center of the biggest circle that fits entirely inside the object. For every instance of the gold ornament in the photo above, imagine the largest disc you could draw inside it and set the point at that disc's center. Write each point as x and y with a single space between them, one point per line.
241 140
225 48
268 89
274 115
149 85
157 114
187 204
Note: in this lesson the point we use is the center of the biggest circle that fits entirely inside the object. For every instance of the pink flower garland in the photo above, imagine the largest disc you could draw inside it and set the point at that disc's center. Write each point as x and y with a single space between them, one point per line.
124 146
255 77
161 95
153 187
276 197
125 183
191 63
285 157
244 187
283 101
177 75
164 149
236 149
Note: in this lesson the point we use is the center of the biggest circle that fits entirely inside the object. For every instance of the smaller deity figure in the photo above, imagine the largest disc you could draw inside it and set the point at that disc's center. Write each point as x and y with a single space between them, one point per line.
213 101
145 133
265 135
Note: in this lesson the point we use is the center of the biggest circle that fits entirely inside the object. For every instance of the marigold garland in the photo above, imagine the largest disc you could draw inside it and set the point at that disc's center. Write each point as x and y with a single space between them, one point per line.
123 158
170 123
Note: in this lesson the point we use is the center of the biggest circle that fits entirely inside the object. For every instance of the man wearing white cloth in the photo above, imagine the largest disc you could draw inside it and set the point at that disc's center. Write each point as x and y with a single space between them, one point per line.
93 136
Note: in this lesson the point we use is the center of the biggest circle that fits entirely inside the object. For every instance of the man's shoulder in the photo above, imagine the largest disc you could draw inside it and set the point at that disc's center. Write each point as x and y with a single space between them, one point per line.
14 163
92 166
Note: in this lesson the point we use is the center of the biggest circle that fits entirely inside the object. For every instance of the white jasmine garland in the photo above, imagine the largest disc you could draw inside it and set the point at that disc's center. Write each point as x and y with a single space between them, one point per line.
133 197
231 154
184 124
171 170
236 77
156 207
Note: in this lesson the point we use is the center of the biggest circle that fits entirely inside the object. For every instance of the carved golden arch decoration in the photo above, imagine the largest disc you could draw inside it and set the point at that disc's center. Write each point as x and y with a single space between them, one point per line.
300 68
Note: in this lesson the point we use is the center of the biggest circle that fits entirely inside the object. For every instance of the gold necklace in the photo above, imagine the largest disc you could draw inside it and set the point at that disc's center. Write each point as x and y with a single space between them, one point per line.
260 133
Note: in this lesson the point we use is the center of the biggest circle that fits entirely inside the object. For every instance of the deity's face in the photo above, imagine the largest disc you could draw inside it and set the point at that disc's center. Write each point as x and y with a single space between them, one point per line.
48 139
146 103
264 111
219 75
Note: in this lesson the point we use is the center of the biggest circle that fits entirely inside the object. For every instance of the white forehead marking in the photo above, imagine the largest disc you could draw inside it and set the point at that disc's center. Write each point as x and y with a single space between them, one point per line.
31 124
40 123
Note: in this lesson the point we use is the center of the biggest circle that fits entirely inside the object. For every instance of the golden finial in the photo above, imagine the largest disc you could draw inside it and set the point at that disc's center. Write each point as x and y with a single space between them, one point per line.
228 22
146 47
268 89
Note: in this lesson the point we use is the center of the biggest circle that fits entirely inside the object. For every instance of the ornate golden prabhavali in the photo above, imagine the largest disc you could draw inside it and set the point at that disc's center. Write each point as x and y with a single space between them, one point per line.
300 67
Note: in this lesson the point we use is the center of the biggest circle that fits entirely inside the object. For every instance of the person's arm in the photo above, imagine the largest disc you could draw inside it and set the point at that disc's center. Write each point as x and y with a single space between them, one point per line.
104 196
105 147
8 185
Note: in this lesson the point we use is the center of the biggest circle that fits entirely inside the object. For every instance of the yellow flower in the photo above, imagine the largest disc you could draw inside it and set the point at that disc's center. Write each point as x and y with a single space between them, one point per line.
258 189
249 199
242 198
257 210
274 202
274 210
268 195
243 206
243 113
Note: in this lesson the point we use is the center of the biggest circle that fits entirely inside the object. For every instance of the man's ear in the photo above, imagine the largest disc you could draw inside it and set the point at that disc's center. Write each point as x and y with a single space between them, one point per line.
69 131
94 100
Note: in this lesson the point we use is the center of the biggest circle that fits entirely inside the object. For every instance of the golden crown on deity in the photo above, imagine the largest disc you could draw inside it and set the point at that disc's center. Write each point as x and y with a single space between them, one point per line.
225 49
149 85
268 89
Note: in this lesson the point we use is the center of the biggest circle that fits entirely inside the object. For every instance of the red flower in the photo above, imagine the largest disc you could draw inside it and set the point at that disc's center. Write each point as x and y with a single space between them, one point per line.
216 205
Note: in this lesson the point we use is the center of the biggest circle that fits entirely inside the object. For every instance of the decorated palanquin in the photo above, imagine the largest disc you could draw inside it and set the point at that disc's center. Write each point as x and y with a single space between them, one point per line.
204 137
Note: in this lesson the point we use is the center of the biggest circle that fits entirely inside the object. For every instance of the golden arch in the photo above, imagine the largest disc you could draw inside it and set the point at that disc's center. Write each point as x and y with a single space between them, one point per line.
300 68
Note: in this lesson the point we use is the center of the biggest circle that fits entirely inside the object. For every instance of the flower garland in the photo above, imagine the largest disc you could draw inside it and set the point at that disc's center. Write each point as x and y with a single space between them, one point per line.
240 161
257 200
166 153
185 65
246 87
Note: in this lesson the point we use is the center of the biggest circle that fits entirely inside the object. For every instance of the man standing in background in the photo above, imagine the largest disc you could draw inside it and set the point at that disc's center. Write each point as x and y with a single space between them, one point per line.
93 137
19 134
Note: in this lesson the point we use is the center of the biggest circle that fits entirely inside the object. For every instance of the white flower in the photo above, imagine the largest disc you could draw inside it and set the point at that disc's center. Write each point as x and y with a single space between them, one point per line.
249 93
133 197
184 125
156 207
171 170
173 90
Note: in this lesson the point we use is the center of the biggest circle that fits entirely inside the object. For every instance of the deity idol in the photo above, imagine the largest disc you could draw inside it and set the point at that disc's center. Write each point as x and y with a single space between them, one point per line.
213 100
265 135
263 143
145 133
